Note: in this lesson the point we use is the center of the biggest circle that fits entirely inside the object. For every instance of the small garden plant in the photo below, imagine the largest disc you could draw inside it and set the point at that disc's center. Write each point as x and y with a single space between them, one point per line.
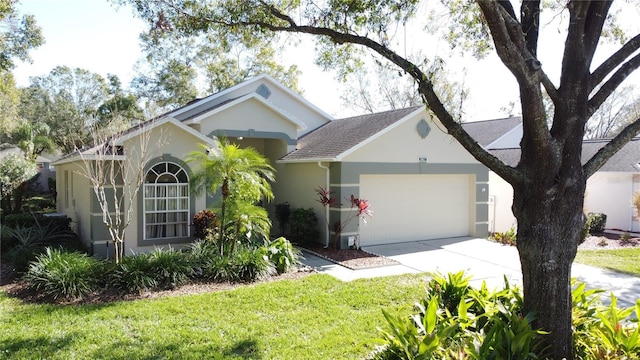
360 210
508 237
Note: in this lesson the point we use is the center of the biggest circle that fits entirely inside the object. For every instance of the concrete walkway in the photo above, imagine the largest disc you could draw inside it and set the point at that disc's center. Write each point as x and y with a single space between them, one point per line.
482 259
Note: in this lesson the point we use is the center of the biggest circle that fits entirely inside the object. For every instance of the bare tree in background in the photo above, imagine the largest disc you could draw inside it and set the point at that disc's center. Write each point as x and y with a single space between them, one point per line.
381 86
620 109
116 177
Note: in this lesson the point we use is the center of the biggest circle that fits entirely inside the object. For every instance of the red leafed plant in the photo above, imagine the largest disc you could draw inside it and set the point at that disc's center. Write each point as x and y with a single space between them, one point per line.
361 207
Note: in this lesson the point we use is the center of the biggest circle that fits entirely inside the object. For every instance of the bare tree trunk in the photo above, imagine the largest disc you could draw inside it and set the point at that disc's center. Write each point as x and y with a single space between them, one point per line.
547 242
18 197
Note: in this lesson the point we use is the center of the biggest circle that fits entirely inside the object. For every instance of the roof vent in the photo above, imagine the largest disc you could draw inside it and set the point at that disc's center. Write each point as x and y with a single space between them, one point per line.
423 128
263 91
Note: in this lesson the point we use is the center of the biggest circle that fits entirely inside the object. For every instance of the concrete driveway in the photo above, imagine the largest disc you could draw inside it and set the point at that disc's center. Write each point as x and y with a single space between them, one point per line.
482 259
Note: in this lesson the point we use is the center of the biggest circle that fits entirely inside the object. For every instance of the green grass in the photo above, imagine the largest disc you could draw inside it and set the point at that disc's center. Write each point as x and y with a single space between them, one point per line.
317 317
621 260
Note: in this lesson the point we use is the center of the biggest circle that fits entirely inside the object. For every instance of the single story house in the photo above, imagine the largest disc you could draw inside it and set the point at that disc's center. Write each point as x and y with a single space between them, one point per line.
421 183
609 190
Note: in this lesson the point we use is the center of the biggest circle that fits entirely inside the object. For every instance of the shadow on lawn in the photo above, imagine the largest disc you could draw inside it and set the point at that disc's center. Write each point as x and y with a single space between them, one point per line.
179 349
43 346
247 349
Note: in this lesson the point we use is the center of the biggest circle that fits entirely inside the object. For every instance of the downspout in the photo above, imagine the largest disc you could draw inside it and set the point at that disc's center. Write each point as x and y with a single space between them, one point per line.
632 207
326 210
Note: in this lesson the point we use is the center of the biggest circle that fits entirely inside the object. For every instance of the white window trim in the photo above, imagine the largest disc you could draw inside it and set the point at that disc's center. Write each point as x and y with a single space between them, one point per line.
180 198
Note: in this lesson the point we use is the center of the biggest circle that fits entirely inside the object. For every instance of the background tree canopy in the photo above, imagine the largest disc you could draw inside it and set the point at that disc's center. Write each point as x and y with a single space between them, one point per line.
18 35
178 68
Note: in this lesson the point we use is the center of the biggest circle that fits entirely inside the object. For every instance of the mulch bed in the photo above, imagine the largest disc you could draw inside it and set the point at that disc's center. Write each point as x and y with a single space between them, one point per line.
355 259
608 241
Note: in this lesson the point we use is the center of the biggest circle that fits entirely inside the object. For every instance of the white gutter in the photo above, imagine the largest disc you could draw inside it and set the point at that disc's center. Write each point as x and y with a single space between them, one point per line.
326 210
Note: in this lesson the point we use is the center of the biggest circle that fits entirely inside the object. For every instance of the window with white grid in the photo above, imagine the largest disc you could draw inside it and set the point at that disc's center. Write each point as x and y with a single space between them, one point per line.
166 202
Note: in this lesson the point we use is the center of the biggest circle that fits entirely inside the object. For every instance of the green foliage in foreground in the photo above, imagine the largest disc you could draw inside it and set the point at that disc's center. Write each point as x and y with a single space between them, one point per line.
317 317
455 321
621 260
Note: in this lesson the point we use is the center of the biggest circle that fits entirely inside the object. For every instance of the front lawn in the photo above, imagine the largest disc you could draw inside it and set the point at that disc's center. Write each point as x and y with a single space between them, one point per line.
621 260
317 317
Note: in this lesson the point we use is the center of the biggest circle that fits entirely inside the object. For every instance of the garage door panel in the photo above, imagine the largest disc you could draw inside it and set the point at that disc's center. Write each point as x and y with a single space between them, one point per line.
415 207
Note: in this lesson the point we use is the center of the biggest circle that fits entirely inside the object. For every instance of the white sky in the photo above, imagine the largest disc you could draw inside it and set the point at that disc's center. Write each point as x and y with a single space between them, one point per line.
94 35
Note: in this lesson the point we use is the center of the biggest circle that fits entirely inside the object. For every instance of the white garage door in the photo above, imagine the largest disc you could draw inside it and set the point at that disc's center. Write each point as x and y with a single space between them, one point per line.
415 207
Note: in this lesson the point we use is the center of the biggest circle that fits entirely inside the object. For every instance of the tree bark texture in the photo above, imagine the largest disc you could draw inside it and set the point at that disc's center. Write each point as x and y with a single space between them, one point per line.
547 243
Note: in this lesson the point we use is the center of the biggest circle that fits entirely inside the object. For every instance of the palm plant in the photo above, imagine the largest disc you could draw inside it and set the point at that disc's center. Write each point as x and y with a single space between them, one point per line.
242 174
33 139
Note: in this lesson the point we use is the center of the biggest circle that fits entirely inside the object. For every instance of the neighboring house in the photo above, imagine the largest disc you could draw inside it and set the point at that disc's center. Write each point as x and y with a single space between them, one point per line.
420 182
609 190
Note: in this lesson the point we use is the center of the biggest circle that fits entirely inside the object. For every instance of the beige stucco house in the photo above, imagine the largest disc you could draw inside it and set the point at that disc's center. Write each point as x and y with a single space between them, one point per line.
420 182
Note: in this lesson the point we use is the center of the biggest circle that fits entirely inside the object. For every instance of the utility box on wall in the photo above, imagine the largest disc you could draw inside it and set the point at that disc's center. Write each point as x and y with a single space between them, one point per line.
101 250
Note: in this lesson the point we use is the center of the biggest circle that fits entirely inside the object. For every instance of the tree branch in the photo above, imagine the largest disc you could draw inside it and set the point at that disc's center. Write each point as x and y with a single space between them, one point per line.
614 61
424 84
612 84
508 7
594 22
530 13
551 89
607 151
507 35
513 50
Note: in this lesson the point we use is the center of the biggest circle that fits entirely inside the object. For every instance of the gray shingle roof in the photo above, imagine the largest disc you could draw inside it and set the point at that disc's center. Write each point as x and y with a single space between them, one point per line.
625 160
510 157
487 131
340 135
201 109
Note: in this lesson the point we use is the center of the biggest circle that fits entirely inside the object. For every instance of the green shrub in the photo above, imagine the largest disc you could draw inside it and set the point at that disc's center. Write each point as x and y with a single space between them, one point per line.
15 173
57 273
283 212
596 223
205 224
21 257
244 265
22 244
27 219
283 255
134 274
449 290
171 268
200 251
39 204
304 226
251 264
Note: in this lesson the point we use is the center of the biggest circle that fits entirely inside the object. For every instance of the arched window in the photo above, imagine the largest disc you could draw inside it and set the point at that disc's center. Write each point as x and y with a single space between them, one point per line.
166 202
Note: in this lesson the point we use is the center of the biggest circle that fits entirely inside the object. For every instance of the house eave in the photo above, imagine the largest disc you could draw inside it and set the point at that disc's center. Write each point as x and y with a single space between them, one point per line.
89 157
309 160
